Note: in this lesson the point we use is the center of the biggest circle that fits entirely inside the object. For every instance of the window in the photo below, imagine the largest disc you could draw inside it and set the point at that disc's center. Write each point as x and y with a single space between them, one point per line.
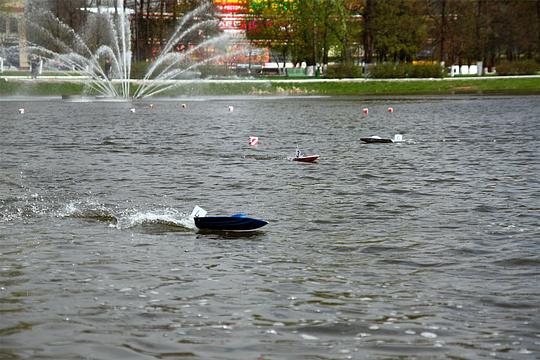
13 26
3 26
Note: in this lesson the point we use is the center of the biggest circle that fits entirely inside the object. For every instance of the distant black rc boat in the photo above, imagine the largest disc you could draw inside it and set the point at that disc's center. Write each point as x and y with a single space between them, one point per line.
379 140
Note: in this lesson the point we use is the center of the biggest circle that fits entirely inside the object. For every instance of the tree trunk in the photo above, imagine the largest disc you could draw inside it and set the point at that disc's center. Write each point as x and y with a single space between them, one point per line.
538 23
148 34
368 30
161 23
139 13
479 41
137 18
442 31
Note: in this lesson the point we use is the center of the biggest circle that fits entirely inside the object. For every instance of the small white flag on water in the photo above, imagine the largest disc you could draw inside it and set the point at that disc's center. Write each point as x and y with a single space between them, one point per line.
253 140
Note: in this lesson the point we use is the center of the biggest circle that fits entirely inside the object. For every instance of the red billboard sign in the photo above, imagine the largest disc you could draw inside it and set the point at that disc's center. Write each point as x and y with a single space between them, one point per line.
231 6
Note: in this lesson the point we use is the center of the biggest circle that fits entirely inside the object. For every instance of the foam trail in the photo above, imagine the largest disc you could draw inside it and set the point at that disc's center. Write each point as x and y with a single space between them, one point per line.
167 217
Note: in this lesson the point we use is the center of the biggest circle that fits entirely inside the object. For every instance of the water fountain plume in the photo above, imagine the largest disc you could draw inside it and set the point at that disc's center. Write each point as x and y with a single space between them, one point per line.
76 55
167 50
185 19
164 85
76 52
75 62
174 59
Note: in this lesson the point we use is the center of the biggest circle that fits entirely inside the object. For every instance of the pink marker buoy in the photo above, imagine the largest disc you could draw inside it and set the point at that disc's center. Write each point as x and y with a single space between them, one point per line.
390 109
365 111
253 140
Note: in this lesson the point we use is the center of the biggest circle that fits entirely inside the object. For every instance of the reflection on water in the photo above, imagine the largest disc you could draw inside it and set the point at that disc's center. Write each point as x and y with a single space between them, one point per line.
425 248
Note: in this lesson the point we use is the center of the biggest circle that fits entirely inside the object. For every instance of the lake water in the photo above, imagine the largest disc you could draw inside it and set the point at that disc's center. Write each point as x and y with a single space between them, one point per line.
422 249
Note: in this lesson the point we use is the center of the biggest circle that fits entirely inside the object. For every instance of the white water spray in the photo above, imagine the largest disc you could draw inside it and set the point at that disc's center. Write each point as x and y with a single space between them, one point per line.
108 66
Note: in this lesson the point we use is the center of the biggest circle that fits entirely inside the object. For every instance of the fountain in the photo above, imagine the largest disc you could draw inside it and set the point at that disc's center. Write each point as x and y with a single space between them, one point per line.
107 63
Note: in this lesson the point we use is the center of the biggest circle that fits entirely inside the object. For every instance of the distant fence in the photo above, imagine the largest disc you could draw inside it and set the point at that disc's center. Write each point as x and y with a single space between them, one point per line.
296 72
466 69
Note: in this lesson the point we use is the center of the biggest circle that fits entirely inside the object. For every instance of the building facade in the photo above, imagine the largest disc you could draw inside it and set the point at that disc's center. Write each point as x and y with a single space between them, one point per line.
13 45
232 15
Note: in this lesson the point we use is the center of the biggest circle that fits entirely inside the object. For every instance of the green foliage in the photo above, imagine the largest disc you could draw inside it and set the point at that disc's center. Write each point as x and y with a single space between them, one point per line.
340 71
400 29
305 30
277 5
405 70
215 71
138 69
525 67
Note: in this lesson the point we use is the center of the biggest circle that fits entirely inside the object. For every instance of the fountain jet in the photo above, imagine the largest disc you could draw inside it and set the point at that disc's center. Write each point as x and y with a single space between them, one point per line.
106 62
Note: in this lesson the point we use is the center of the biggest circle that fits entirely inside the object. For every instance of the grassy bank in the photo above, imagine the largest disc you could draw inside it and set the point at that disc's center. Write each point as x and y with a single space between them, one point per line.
40 88
422 87
525 85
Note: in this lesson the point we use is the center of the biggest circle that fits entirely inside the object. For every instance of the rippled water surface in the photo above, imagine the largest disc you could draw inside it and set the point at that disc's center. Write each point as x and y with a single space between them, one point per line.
426 248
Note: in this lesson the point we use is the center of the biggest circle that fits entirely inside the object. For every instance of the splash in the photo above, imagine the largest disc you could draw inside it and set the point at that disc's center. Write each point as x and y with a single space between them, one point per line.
162 217
90 210
31 206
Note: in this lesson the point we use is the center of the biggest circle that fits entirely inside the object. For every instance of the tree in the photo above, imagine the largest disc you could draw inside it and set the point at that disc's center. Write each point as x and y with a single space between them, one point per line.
305 30
400 29
344 23
272 26
368 14
487 31
152 26
538 28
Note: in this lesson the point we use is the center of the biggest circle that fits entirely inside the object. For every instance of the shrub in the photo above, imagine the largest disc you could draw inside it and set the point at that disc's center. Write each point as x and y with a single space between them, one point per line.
524 67
138 69
340 71
406 70
210 71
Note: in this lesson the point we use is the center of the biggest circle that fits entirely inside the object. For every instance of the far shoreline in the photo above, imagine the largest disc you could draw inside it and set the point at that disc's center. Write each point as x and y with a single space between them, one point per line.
493 85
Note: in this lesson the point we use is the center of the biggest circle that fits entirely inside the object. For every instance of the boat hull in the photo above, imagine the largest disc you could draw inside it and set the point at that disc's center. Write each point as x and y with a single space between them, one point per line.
228 223
309 158
376 140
